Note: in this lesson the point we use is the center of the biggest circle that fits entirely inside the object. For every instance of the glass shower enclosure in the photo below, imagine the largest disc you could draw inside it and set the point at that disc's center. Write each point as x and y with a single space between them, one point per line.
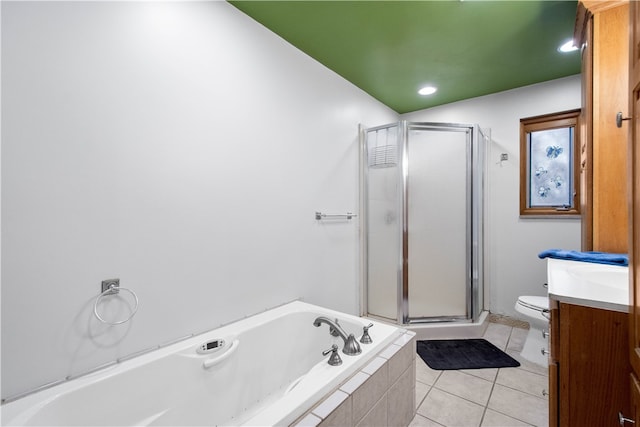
422 216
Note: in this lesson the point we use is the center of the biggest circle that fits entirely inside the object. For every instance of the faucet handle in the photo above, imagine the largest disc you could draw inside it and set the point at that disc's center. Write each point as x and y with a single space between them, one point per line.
366 338
334 360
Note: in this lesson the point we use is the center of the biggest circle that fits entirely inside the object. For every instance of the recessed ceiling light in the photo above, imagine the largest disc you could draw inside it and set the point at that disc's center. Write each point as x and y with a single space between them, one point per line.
427 90
567 47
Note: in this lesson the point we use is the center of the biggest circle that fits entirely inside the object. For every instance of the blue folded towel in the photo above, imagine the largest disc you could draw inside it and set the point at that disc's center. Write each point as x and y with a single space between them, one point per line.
595 257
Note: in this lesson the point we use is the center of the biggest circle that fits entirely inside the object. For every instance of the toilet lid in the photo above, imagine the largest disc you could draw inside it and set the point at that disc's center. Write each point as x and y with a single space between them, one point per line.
534 302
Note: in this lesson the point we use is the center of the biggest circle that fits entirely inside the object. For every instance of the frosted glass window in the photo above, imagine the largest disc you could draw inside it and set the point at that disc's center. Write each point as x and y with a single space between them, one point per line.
549 159
550 155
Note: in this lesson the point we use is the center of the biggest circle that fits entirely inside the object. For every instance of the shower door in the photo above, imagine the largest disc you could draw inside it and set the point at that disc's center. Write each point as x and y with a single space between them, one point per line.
423 220
436 223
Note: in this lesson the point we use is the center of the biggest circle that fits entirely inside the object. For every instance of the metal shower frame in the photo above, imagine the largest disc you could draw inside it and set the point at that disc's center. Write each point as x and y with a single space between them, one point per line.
475 187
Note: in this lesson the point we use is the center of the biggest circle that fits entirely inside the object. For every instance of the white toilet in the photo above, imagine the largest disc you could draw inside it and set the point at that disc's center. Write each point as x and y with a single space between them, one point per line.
536 347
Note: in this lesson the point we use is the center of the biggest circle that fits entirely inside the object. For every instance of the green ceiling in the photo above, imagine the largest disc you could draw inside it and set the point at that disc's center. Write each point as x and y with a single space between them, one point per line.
392 48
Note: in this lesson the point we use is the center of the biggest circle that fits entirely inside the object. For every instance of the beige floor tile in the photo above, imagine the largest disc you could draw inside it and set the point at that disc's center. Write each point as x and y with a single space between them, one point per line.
523 380
497 334
517 339
420 421
466 386
488 374
506 397
527 365
519 405
424 373
496 419
421 392
450 410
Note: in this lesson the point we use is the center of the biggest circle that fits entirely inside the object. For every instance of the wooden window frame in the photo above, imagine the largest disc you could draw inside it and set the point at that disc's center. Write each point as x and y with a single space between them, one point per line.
562 119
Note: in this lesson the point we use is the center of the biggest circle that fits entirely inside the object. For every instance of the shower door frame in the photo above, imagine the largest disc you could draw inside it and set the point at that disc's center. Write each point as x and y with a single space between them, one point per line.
475 179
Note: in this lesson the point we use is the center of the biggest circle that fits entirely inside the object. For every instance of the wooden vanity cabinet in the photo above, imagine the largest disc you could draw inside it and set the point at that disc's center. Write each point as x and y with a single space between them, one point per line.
588 365
634 208
554 353
602 30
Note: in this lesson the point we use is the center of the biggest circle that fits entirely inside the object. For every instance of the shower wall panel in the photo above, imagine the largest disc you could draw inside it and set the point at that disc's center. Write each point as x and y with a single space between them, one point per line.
383 225
383 244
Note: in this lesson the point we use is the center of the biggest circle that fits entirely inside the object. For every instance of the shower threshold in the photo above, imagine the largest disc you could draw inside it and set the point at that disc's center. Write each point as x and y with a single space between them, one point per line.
448 329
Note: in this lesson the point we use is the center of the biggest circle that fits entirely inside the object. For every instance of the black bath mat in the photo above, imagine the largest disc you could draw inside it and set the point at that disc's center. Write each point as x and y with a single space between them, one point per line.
463 354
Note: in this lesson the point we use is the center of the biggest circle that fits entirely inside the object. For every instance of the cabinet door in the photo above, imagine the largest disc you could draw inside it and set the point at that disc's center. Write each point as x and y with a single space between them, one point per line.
609 149
635 400
602 29
586 132
593 366
554 416
554 347
634 180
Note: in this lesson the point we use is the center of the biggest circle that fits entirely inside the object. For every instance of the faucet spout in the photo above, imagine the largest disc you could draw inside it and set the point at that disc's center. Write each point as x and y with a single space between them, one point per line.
351 346
334 328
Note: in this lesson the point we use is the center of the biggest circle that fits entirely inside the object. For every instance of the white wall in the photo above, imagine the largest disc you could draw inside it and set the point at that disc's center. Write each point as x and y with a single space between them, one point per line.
512 265
180 147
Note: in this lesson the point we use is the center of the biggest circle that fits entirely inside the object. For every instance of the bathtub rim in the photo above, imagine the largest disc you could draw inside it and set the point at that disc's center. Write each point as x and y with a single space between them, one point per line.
23 407
110 364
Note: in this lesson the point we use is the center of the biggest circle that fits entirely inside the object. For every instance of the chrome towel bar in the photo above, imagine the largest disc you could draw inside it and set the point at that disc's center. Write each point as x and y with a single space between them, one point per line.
320 216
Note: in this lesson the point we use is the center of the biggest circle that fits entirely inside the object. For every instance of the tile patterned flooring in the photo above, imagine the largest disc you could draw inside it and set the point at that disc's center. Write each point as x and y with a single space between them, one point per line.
484 397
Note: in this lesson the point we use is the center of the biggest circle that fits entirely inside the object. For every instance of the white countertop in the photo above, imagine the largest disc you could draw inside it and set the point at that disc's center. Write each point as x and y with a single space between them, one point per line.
589 284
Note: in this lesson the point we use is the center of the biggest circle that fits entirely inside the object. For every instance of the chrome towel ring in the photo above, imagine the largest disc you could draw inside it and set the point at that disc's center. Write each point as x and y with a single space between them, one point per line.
114 289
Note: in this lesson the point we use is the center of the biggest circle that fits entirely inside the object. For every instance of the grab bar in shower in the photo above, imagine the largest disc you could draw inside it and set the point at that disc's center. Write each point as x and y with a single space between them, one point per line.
320 216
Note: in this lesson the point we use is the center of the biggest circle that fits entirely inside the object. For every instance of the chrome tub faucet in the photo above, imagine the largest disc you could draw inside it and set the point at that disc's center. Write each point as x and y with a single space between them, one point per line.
351 346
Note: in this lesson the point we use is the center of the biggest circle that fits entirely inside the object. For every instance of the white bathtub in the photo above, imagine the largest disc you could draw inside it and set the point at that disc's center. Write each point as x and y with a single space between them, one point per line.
270 372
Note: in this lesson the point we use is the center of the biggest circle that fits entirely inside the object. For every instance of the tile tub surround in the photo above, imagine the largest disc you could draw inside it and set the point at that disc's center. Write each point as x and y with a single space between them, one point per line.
382 393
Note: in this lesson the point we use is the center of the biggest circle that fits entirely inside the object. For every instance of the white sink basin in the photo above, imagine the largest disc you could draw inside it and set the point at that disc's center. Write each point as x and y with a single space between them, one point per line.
594 274
586 283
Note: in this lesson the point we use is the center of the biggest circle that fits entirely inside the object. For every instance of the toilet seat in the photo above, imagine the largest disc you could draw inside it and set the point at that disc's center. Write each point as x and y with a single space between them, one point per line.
534 302
532 307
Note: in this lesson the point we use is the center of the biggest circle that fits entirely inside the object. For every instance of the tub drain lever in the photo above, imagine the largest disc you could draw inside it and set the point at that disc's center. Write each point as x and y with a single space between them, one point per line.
366 338
334 360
